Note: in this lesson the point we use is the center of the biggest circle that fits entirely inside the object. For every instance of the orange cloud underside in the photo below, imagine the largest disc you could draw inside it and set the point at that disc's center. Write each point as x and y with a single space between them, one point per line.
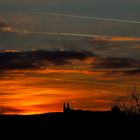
124 39
116 39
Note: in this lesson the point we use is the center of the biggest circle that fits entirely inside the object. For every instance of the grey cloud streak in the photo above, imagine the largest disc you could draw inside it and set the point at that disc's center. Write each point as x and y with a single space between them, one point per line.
116 63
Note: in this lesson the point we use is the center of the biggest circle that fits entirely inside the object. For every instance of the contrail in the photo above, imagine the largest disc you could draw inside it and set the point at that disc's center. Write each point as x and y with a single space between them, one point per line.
93 18
68 34
82 17
73 34
92 82
53 33
78 35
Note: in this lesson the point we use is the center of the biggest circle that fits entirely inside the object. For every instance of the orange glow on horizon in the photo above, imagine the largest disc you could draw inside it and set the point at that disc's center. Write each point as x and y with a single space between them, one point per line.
46 90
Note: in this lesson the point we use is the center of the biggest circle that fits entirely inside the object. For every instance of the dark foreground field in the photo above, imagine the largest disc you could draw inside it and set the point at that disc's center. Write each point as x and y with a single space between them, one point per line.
71 124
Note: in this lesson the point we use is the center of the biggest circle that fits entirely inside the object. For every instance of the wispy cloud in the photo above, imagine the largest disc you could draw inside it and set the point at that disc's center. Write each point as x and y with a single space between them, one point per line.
83 17
22 22
4 27
82 62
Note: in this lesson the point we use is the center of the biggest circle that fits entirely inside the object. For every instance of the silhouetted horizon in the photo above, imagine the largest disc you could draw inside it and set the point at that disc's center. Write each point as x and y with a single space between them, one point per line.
71 122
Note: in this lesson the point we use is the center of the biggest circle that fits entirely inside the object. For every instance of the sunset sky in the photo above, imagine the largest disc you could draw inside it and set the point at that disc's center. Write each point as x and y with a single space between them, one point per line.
85 52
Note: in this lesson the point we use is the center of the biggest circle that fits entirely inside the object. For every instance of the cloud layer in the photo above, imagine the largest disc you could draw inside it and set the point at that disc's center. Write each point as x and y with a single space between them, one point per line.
39 59
66 60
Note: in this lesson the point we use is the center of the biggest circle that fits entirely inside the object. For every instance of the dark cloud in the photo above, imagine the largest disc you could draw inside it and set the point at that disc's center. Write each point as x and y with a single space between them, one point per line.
116 63
5 109
3 24
100 40
132 72
39 59
118 66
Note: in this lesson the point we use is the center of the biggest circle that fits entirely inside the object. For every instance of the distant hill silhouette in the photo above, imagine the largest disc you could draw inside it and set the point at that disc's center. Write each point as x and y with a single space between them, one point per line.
72 122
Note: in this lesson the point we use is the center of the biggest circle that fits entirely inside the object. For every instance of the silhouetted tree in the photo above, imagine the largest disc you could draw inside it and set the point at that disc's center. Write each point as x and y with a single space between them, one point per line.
135 100
128 104
115 110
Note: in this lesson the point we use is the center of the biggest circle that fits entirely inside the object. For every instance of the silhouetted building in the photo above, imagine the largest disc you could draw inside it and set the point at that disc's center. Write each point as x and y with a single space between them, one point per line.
66 108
